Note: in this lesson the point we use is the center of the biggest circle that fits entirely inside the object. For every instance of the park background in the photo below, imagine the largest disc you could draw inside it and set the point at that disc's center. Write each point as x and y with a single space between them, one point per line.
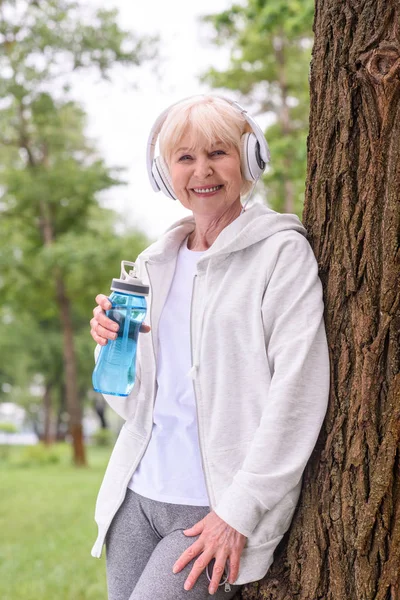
80 87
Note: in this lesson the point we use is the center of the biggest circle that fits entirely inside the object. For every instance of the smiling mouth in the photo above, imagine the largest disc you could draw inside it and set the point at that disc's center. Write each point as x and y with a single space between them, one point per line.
207 190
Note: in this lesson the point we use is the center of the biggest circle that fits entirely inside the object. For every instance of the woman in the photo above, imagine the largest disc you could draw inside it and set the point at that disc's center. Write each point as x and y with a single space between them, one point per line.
232 381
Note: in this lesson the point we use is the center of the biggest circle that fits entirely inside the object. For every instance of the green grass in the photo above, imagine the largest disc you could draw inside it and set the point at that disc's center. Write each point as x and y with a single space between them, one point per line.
47 527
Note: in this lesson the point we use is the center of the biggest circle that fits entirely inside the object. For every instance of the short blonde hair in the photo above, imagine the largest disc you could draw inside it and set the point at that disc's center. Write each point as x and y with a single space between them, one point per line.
207 118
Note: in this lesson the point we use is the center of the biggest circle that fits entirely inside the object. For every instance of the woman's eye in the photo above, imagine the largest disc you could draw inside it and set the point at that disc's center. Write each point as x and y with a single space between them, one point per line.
218 152
184 157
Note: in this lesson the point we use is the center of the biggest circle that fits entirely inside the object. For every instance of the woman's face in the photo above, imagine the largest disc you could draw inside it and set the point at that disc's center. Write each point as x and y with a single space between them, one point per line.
206 179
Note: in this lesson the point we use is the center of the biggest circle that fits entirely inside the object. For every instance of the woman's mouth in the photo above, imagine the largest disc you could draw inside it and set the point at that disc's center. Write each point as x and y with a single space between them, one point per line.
207 191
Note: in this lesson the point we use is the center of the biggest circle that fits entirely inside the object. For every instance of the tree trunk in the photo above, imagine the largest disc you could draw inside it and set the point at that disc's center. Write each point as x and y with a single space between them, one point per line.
344 543
72 396
60 429
71 387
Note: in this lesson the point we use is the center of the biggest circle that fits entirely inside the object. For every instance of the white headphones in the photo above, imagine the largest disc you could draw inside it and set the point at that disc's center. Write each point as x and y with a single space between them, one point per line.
254 153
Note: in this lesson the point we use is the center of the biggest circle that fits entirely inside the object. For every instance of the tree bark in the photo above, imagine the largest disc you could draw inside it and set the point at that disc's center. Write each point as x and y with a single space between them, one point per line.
344 543
71 388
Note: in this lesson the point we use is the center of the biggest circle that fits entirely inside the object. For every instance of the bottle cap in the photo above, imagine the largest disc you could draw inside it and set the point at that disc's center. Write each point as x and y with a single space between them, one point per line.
128 283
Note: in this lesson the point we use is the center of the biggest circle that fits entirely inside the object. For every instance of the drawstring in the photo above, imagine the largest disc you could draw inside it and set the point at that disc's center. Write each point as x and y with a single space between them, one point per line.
192 373
225 582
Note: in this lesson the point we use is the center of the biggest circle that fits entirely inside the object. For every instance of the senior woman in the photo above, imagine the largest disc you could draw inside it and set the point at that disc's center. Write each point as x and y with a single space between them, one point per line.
232 379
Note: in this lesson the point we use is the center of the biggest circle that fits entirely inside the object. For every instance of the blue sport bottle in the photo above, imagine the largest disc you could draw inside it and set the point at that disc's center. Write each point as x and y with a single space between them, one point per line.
115 368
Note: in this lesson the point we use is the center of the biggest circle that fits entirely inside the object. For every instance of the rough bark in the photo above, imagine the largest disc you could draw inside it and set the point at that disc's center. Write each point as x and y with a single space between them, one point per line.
344 543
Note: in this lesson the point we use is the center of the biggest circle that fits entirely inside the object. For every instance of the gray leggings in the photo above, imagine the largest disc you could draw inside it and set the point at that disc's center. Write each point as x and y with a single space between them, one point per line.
142 544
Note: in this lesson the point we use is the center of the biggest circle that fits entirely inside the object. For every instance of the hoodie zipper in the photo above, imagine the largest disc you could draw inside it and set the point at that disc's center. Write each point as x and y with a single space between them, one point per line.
193 371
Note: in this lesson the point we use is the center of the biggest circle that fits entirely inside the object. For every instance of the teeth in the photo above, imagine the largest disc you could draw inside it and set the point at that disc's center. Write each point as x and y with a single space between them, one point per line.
207 190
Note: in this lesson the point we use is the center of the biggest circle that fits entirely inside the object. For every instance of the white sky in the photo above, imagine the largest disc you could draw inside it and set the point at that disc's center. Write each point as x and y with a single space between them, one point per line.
120 118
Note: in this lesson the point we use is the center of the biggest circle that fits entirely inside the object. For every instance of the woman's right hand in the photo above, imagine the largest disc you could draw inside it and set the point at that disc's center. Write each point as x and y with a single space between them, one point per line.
103 328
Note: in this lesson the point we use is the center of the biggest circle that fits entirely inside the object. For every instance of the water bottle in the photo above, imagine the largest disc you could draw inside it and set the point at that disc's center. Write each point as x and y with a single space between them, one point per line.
115 368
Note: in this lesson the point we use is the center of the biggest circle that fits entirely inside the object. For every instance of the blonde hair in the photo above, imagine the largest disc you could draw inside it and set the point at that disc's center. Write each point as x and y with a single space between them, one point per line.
207 118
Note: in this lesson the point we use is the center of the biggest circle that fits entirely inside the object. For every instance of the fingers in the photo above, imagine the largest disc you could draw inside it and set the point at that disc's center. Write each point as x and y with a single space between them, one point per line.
217 573
198 567
196 529
102 334
102 328
234 564
103 302
200 564
189 554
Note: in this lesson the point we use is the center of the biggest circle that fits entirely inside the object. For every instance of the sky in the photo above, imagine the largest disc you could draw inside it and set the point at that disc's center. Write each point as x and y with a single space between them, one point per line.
120 117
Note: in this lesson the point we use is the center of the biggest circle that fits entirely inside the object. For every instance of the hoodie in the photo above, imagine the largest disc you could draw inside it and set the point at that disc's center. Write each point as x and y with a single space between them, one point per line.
260 370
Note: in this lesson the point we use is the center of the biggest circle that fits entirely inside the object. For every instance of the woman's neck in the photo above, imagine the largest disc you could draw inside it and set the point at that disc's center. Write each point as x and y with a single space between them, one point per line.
207 228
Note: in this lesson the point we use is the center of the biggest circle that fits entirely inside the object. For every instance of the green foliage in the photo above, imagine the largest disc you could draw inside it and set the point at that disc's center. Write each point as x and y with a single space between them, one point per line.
52 227
270 51
42 40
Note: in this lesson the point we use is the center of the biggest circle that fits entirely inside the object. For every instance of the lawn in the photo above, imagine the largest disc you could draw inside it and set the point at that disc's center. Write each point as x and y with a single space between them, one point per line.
47 527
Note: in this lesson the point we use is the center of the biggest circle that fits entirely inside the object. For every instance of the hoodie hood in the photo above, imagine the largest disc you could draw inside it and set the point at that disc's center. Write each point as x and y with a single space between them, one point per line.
255 224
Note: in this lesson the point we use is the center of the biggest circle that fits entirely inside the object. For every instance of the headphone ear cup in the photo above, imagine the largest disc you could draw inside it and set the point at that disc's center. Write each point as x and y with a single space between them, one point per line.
162 177
251 162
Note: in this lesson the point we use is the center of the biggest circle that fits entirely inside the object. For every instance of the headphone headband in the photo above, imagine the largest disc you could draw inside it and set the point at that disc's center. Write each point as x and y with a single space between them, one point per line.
263 149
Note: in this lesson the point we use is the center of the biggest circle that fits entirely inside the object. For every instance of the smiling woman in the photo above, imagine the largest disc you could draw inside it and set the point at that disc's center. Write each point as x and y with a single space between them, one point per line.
207 181
234 375
206 124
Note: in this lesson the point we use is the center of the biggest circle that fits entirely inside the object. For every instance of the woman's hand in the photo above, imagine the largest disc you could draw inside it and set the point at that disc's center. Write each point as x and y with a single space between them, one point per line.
103 328
217 540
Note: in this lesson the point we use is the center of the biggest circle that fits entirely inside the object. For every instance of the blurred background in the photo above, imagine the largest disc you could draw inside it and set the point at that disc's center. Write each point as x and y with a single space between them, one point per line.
80 87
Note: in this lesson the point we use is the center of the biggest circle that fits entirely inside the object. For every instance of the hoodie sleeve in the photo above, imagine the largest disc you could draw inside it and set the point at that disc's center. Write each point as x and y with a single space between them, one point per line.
296 402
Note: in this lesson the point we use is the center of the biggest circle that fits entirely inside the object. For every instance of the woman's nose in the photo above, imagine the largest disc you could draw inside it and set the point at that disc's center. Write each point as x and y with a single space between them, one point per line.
203 167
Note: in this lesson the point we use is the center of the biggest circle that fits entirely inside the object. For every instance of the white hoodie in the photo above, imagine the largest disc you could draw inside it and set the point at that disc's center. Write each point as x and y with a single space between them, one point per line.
260 373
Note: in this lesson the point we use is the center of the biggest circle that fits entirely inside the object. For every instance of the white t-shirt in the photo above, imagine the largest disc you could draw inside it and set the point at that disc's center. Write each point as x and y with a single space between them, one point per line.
170 470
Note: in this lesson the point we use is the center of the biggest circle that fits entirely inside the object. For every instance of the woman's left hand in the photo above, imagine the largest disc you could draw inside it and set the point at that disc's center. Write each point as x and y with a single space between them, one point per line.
217 540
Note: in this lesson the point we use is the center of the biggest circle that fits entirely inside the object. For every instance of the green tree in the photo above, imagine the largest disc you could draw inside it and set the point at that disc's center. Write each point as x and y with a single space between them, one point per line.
50 174
270 51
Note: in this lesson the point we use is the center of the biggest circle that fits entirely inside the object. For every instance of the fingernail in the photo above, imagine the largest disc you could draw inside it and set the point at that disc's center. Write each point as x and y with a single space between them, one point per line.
187 586
211 590
175 569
